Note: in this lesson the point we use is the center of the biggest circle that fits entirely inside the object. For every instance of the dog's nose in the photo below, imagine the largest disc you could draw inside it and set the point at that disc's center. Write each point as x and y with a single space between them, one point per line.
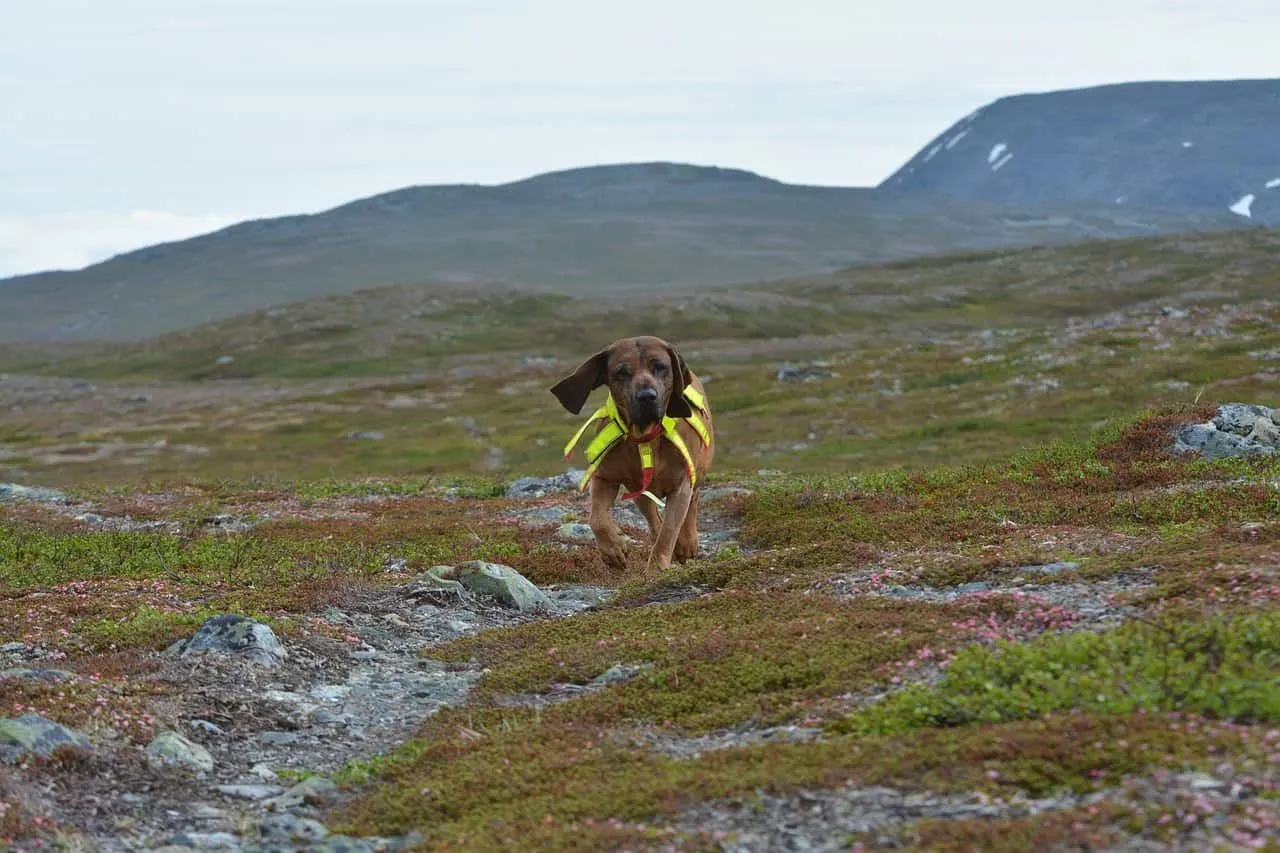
646 395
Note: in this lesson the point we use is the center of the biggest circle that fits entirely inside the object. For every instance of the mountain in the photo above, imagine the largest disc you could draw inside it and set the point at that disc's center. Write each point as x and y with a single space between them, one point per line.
1196 146
582 231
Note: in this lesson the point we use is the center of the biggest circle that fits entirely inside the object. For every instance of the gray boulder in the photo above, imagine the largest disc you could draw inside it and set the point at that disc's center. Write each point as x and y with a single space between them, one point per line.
34 494
235 635
1238 429
1239 418
53 676
537 487
32 734
496 581
171 748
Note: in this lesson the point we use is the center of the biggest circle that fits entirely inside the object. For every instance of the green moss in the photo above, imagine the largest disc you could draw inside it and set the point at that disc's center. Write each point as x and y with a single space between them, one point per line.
715 661
1226 667
495 775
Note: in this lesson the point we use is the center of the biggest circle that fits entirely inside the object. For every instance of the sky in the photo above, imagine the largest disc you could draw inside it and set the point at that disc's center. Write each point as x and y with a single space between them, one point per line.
131 122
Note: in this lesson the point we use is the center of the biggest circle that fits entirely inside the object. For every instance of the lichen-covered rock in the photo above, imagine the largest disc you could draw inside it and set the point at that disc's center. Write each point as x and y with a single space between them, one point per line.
575 532
1238 429
32 734
34 494
50 675
537 487
235 635
171 748
1265 432
811 372
1239 418
499 582
312 791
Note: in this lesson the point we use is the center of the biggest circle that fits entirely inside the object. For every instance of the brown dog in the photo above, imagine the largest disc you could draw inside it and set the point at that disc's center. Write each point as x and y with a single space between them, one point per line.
657 413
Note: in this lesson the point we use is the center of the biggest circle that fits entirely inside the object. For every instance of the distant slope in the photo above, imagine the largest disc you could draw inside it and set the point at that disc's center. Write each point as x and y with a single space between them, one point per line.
589 230
1207 146
411 330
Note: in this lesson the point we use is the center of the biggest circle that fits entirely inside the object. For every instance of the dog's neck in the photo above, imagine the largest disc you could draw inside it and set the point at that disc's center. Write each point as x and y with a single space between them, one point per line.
629 429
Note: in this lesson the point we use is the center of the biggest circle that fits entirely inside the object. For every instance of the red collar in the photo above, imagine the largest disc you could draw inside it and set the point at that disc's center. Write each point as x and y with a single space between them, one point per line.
648 436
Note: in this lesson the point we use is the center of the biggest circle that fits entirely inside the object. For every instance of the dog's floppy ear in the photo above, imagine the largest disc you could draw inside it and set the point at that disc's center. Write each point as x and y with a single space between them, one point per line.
677 405
573 390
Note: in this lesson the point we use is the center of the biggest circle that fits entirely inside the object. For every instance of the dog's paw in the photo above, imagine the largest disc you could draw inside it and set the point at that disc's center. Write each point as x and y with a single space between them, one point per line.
685 551
614 557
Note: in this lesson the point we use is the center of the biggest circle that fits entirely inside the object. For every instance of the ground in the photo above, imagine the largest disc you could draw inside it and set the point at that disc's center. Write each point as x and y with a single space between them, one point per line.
954 594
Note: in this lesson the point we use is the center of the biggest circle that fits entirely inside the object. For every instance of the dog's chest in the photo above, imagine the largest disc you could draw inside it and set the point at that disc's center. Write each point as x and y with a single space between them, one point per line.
625 464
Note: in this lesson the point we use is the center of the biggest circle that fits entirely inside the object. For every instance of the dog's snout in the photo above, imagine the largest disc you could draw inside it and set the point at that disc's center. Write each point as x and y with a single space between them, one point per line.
647 395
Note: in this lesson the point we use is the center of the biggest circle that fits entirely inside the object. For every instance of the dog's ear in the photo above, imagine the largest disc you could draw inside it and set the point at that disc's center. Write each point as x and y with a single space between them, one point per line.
573 390
677 405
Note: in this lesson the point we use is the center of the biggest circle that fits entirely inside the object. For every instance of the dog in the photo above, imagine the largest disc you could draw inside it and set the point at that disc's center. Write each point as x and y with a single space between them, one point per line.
654 437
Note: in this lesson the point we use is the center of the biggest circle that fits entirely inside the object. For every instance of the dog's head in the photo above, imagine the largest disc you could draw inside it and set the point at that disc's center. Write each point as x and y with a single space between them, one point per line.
645 375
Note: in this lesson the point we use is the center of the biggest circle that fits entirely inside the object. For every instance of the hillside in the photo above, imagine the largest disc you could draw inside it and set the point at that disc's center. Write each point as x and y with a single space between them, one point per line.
1195 146
583 231
451 383
954 589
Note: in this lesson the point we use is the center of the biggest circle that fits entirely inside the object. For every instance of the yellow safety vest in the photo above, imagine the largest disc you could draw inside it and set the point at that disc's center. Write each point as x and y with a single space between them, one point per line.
614 430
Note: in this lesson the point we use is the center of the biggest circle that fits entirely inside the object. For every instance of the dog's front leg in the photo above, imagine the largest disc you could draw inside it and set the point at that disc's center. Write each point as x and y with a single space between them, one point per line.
687 541
672 521
608 537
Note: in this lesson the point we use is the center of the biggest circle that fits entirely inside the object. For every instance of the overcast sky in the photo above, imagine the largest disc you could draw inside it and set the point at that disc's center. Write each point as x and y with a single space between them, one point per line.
128 122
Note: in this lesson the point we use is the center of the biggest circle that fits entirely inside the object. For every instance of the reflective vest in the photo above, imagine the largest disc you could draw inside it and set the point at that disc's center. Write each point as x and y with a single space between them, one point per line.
614 431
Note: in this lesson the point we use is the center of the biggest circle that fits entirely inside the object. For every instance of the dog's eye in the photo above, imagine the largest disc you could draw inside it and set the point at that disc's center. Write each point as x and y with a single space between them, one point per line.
621 372
659 368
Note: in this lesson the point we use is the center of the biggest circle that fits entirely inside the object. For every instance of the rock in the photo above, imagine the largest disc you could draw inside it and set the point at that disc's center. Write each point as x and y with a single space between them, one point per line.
577 597
576 533
12 648
369 435
225 359
250 792
502 583
1051 568
312 791
206 726
235 635
1239 418
809 373
330 692
138 398
1265 432
618 673
52 676
544 515
1204 782
279 738
205 841
325 717
171 748
438 579
264 772
715 493
225 523
206 812
537 487
33 734
290 829
1213 443
34 494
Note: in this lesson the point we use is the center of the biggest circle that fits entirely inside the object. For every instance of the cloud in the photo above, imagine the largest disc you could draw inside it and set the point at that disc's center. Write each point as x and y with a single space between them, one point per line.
59 241
289 106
